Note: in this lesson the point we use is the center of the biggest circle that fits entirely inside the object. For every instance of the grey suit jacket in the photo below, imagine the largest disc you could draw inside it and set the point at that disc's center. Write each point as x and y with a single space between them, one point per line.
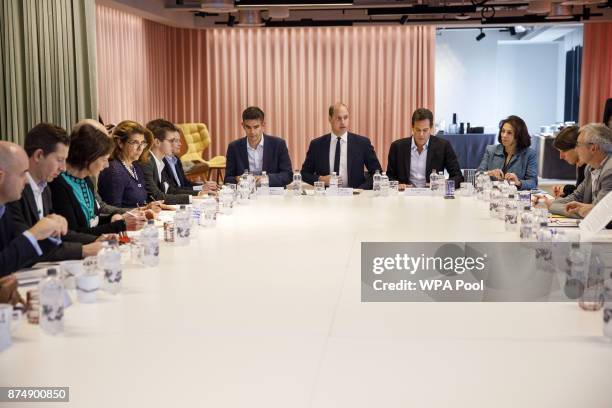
585 193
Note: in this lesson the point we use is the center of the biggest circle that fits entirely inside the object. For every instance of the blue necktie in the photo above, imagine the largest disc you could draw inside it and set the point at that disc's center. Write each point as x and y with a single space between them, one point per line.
337 157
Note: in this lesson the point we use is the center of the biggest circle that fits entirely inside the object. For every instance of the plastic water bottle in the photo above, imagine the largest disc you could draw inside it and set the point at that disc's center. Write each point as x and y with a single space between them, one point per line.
51 295
264 184
384 184
243 189
297 183
526 229
150 243
433 182
441 184
607 312
182 225
592 298
540 214
511 214
333 181
109 261
376 183
252 185
494 201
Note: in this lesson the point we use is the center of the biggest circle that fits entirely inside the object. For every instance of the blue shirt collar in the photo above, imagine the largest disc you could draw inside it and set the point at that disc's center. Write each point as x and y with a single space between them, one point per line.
2 209
172 159
414 146
261 144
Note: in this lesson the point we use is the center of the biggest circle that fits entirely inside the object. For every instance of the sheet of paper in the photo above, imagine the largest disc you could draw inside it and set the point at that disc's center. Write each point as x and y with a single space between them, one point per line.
598 218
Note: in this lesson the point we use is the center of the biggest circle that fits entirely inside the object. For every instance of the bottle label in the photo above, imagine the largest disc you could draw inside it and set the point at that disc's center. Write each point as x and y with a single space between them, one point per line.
112 275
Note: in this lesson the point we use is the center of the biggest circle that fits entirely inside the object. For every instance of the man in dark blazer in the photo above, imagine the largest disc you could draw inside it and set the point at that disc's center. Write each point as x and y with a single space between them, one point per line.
157 181
258 152
176 173
348 161
412 159
47 148
18 249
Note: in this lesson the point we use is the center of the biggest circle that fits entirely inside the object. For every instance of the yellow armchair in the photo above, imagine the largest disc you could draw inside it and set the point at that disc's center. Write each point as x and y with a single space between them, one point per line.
195 139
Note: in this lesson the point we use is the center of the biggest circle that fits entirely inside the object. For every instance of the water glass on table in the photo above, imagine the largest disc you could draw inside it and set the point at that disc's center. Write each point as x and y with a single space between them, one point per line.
319 188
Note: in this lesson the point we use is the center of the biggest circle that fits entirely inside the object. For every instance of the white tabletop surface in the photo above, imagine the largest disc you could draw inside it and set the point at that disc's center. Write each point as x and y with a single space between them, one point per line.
264 310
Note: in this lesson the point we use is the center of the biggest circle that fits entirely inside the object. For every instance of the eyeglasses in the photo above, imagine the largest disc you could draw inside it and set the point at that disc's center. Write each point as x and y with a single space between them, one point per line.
137 144
173 141
578 144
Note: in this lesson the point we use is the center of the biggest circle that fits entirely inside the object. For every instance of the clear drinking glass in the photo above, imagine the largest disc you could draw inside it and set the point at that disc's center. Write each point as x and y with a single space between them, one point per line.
393 187
319 187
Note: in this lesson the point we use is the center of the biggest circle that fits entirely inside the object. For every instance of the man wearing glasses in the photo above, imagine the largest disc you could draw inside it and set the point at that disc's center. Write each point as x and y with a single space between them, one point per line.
157 181
594 147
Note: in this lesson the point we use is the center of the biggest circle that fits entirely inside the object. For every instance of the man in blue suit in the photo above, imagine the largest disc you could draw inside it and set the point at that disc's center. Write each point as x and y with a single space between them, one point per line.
258 152
341 151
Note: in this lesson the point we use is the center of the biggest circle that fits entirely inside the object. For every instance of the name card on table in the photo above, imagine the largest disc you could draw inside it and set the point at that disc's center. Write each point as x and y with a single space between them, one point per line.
341 191
277 190
598 218
417 192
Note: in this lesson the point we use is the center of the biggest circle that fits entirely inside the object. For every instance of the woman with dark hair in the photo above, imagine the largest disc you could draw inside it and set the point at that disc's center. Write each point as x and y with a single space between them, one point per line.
607 118
512 159
73 191
122 183
565 142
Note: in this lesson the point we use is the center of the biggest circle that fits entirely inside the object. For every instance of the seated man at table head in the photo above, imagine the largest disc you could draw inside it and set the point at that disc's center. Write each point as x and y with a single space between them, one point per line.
20 248
512 159
156 180
258 152
594 147
342 152
72 191
47 147
412 159
565 143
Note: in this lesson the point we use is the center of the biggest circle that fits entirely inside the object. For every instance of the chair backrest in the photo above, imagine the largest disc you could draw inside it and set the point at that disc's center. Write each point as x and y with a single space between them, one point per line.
196 140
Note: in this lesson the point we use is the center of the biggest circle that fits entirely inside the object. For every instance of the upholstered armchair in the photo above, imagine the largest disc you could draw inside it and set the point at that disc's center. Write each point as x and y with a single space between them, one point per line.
195 139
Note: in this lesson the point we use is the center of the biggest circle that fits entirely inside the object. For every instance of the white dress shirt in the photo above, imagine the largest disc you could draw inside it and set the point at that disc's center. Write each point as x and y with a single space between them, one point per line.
418 165
37 189
343 171
160 167
255 157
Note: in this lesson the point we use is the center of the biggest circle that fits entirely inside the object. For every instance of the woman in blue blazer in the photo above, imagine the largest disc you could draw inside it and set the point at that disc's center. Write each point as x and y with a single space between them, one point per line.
512 159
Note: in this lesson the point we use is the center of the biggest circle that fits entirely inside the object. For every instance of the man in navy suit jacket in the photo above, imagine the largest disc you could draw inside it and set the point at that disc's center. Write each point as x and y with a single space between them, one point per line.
18 249
258 152
355 153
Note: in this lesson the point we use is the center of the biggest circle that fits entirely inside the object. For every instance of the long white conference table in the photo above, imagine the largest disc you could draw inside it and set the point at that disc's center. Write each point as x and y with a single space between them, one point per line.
264 310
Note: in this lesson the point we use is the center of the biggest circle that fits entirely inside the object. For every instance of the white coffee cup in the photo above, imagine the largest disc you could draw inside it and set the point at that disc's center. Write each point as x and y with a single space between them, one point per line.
70 270
9 320
87 286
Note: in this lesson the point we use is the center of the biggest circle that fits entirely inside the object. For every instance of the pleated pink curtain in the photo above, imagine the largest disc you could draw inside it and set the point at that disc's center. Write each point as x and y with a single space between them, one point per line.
382 73
596 80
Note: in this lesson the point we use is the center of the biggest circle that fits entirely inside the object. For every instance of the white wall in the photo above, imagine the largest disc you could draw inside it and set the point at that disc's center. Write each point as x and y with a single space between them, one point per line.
527 82
485 81
466 79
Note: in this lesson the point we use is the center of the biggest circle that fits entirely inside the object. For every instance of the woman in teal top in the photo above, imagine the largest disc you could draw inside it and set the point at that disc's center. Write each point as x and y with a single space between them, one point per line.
73 191
512 159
